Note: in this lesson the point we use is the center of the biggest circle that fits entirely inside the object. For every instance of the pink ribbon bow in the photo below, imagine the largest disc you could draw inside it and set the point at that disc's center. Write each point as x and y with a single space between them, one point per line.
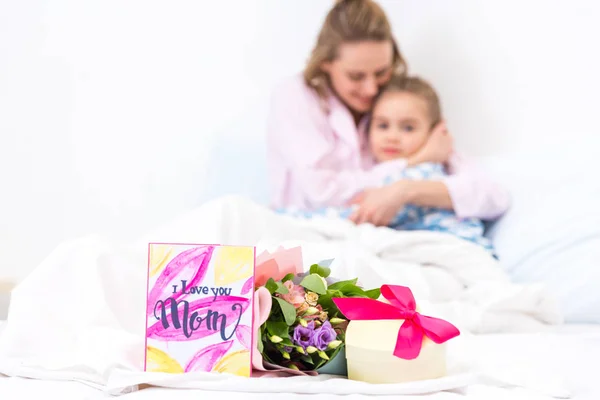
402 306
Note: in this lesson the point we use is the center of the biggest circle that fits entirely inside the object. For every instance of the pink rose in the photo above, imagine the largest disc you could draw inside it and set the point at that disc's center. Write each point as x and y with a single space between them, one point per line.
295 296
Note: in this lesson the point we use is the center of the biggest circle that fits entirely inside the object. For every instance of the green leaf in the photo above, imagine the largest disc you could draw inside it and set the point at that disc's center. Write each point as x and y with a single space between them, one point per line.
260 346
326 301
266 353
341 284
288 310
278 328
335 352
288 277
320 270
314 282
271 286
281 288
320 362
373 293
307 359
353 291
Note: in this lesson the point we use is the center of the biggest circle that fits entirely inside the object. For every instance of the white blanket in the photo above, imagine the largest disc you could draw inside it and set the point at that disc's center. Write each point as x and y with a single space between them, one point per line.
80 314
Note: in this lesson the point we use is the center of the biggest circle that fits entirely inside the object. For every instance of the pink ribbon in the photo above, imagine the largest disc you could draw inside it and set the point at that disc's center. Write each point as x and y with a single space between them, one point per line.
402 306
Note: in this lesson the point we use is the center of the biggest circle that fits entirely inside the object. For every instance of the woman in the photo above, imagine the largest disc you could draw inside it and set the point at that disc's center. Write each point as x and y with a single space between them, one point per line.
316 133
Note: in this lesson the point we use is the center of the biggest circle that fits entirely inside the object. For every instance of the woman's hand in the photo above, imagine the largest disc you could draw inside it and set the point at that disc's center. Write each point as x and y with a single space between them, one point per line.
380 206
437 149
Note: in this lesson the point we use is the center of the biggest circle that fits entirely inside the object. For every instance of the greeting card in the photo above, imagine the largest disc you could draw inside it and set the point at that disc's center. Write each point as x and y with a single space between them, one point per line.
199 308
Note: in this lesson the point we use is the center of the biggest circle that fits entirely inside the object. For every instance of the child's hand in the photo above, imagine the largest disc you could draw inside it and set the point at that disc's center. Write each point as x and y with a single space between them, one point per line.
437 149
380 206
357 198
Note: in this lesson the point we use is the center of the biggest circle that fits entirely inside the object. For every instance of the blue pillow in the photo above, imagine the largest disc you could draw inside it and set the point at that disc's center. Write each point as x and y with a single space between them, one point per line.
551 234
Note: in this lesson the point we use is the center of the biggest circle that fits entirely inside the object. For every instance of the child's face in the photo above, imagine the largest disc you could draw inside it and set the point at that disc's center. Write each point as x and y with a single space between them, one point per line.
400 126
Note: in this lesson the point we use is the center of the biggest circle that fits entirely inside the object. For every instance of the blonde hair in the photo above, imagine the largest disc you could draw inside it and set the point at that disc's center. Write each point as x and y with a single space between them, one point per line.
349 21
418 87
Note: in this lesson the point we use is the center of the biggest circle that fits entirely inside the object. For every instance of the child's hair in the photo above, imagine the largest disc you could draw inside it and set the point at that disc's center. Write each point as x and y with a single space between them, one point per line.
418 87
349 21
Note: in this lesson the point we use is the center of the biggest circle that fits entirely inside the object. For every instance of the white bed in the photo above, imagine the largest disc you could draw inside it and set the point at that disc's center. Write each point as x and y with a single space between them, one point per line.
565 360
568 354
463 283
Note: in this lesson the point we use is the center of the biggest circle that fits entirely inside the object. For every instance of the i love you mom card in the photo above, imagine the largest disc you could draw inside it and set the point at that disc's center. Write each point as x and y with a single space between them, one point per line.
199 308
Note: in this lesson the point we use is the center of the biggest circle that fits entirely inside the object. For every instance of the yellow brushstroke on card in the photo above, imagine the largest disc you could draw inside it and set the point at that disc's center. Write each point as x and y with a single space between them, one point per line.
237 363
233 264
160 255
159 361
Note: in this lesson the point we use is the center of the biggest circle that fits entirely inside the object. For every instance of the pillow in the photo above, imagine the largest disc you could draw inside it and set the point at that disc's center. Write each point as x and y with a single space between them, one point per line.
551 233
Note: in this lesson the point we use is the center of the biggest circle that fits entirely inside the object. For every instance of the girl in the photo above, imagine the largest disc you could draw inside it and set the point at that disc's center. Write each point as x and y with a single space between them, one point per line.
404 116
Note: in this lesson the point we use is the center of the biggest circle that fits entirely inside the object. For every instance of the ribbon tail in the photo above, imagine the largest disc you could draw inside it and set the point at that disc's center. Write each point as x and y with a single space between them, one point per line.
409 341
438 330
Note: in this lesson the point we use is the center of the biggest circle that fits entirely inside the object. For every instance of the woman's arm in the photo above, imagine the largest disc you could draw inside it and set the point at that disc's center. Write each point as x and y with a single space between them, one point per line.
468 191
470 194
473 192
379 206
426 194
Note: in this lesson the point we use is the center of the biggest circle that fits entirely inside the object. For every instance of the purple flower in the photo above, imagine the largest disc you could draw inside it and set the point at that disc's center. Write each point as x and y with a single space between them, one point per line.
323 336
303 335
288 349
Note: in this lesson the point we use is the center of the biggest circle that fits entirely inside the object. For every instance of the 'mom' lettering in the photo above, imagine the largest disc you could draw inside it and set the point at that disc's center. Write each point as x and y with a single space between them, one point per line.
190 323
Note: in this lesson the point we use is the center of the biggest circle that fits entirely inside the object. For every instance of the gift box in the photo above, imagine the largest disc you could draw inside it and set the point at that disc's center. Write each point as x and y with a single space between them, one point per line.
389 341
370 354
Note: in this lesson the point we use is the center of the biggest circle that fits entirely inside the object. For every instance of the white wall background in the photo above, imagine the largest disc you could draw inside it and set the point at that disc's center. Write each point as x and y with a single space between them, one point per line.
112 112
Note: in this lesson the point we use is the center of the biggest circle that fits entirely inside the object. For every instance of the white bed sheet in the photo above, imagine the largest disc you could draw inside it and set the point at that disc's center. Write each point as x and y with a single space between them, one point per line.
569 351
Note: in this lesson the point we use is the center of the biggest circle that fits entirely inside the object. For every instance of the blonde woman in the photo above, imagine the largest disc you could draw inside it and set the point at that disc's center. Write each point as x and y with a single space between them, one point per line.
317 145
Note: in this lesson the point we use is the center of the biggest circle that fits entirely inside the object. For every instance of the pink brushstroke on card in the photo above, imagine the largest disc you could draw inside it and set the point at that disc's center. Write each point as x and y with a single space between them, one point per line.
244 335
248 285
190 266
206 358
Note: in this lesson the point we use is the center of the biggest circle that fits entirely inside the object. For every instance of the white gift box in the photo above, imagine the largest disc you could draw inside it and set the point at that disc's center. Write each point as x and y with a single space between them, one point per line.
370 354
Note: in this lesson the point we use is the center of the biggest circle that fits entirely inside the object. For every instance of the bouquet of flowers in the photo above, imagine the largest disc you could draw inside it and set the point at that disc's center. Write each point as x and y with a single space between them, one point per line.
304 329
